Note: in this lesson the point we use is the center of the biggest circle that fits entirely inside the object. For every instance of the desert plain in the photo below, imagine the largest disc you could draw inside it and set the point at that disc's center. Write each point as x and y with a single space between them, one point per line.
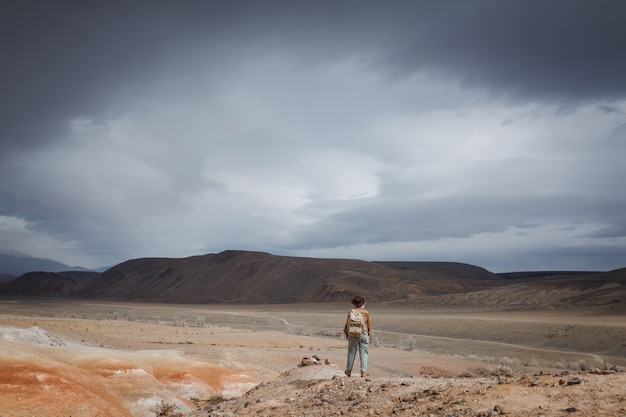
104 358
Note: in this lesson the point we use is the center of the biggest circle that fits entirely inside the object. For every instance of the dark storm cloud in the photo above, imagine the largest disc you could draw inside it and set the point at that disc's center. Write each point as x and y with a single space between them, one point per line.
555 50
68 59
64 59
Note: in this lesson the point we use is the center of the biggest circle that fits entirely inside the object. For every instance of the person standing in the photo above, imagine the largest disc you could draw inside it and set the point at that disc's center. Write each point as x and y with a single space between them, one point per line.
358 339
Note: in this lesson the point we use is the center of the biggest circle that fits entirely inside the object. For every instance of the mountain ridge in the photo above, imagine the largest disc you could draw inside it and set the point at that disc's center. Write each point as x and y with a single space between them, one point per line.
246 277
15 263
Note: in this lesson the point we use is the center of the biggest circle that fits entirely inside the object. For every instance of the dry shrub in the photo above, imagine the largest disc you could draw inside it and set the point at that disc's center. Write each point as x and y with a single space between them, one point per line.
216 399
499 370
533 362
505 360
504 370
580 365
165 409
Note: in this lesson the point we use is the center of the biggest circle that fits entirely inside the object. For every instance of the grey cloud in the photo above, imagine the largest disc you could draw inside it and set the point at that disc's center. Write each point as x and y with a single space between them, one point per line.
560 51
412 219
576 258
560 257
616 230
99 241
368 78
40 218
30 210
67 58
611 109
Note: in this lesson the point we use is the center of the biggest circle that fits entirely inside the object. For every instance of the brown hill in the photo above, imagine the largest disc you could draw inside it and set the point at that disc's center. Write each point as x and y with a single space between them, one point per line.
551 291
262 278
436 269
38 284
6 277
255 277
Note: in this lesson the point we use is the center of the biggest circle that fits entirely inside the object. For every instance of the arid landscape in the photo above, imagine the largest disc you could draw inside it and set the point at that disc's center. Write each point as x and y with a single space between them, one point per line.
66 357
193 192
226 334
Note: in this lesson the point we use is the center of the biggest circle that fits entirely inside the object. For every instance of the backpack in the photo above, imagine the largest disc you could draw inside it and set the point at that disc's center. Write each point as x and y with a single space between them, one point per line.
356 324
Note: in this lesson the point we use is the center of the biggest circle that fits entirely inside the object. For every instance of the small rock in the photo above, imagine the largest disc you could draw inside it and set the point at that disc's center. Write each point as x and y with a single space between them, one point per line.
306 361
574 381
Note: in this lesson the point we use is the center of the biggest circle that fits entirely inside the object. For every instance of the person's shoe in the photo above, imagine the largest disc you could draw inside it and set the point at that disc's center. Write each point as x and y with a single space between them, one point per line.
348 373
363 374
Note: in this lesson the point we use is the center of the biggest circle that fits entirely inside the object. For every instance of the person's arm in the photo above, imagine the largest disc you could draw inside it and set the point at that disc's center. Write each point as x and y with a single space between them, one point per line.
345 327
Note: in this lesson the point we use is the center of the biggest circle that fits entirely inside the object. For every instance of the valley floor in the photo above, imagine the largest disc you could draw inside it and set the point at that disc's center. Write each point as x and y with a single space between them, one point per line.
126 358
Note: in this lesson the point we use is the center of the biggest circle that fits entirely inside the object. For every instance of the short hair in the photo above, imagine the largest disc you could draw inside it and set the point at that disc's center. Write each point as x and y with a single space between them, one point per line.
358 301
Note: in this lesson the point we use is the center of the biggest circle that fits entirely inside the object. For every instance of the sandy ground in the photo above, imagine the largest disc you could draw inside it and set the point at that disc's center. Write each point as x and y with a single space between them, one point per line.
62 358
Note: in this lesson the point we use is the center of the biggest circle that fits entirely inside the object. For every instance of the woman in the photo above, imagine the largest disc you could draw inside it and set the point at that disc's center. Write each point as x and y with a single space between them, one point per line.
358 342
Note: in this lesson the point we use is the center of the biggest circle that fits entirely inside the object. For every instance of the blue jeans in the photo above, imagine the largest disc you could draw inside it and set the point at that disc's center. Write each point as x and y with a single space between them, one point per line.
362 344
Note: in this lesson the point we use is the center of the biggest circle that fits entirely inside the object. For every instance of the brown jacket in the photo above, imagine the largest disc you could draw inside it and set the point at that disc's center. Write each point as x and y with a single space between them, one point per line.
366 316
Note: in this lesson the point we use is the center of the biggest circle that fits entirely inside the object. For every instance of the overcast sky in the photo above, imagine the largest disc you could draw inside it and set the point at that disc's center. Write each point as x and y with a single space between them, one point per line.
487 132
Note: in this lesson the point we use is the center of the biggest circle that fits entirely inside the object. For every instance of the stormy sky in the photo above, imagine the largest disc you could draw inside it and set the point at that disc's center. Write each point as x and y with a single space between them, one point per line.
481 131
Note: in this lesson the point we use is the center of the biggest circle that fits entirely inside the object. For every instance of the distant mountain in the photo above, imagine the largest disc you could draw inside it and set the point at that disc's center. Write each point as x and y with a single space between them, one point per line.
13 263
544 274
6 277
255 277
39 284
550 291
80 275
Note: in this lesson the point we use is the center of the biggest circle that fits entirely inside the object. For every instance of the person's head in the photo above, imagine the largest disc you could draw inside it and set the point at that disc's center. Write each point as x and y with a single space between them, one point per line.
358 301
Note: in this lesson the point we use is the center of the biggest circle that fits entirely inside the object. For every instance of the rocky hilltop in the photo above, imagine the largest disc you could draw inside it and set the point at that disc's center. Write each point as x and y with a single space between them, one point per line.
323 390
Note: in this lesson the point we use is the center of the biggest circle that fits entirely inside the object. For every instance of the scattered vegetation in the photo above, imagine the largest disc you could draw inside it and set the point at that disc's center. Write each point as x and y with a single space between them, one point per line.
500 370
411 343
580 365
165 409
216 399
